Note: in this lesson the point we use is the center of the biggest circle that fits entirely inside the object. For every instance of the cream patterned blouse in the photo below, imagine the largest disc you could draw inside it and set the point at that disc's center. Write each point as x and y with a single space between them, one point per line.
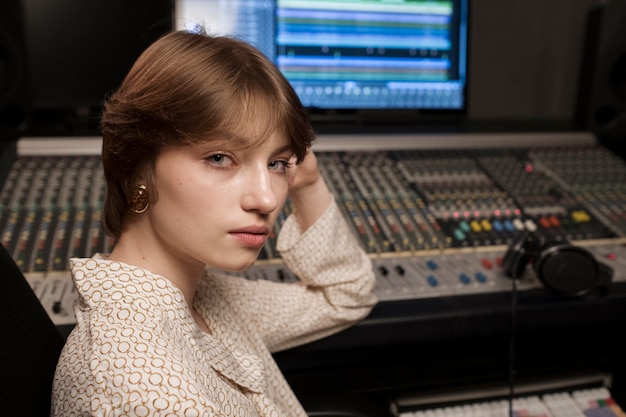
136 350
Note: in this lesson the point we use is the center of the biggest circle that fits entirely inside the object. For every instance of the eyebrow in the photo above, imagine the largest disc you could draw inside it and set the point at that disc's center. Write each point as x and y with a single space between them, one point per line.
285 148
236 141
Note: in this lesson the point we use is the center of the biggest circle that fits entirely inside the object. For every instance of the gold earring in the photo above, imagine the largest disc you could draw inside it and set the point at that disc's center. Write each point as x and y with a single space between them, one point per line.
138 199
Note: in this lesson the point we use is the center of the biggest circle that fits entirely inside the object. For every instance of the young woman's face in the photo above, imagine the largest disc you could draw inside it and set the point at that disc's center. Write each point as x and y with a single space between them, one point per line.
217 203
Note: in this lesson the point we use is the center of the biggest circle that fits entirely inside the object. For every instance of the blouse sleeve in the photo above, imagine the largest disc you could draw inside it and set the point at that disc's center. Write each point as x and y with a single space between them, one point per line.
335 288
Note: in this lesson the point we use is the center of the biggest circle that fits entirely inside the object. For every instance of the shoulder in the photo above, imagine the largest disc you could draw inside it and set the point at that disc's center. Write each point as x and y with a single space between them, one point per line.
110 286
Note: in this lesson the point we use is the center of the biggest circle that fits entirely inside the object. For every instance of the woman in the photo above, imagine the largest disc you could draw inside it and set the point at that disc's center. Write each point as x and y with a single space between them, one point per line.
202 144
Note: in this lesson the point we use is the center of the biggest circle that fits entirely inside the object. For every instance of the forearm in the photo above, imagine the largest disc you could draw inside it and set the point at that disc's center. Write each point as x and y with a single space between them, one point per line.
336 286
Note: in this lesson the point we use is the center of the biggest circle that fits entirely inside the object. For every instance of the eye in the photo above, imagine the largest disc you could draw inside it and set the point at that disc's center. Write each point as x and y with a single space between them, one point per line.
279 165
220 160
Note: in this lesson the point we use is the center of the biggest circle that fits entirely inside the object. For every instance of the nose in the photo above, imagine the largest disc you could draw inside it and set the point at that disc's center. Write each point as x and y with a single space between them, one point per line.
259 192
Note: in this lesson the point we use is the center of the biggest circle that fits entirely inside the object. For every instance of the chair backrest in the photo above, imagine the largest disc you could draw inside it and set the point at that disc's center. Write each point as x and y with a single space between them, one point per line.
30 345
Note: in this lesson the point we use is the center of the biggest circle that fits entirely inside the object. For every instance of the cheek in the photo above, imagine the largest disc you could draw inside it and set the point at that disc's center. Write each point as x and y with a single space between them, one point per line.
280 186
181 196
185 212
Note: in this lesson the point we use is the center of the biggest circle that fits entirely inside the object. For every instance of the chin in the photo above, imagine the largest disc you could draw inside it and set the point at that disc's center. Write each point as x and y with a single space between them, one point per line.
238 268
244 263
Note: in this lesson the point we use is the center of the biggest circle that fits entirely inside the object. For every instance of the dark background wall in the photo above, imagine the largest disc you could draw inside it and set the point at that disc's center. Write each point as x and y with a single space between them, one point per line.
525 58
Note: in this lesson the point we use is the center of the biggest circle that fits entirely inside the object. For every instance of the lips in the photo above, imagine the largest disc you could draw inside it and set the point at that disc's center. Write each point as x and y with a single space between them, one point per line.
251 236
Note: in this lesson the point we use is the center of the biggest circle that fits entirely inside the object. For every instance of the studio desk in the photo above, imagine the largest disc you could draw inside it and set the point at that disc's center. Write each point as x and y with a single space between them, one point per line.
436 214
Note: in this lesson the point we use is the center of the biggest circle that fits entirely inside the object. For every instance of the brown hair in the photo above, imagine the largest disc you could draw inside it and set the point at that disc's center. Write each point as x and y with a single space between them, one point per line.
186 88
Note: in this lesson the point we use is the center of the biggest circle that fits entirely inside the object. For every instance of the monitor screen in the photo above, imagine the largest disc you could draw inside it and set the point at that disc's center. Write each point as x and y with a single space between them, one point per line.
351 55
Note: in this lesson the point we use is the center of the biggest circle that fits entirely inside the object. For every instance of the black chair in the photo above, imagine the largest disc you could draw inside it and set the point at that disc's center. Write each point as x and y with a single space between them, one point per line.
30 345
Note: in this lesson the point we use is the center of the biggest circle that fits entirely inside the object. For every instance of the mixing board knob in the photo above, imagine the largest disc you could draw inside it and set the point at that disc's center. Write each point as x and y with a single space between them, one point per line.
432 280
486 263
530 225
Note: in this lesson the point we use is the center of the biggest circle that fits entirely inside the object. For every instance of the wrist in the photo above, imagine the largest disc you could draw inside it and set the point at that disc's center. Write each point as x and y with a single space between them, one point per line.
310 202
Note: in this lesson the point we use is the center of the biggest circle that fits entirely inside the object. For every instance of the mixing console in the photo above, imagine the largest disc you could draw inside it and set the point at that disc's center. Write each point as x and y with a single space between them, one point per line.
594 402
435 222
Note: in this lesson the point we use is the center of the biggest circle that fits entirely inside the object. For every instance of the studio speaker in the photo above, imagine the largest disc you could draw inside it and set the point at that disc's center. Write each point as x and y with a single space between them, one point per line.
14 94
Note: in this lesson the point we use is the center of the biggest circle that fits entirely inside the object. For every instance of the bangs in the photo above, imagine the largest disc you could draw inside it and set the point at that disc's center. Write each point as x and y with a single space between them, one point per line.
258 116
261 114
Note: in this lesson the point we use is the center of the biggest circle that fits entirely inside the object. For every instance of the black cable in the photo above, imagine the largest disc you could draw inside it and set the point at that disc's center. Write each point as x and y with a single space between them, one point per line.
512 347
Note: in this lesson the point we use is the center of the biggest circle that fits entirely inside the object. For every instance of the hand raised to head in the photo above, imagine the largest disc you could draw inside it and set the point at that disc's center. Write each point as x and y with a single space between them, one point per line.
308 190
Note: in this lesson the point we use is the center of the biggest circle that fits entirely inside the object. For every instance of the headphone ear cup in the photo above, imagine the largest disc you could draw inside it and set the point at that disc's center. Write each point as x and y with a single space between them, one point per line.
518 254
605 277
566 269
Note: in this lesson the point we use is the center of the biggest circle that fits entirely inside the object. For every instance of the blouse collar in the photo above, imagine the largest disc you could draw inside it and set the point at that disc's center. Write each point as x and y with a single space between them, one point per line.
100 282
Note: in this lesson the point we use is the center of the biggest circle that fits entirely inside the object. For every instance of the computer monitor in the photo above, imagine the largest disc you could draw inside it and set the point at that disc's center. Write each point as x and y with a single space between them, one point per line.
350 57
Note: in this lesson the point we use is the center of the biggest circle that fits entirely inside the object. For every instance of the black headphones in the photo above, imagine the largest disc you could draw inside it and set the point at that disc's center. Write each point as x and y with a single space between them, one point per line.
563 268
